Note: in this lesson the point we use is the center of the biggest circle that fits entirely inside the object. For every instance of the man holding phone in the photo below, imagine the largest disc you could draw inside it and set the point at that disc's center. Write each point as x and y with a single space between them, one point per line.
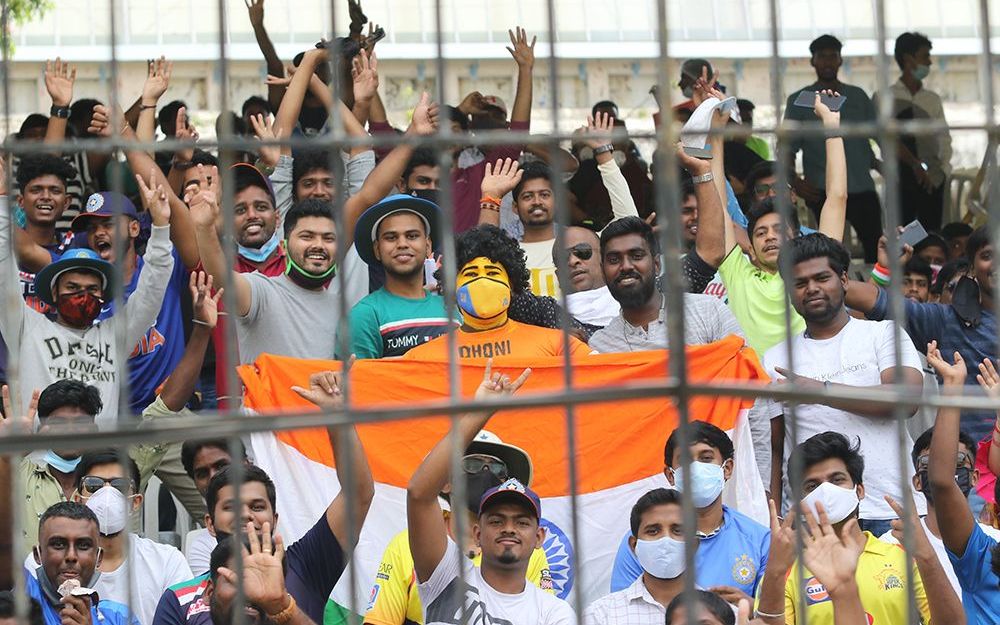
864 212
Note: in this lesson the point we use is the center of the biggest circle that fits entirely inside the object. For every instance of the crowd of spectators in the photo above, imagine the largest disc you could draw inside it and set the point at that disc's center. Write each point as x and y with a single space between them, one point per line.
315 228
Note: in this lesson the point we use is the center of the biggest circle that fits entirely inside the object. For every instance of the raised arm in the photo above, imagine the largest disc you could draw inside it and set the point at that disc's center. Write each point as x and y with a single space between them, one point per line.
12 321
989 379
428 538
157 82
834 212
255 8
524 55
780 557
364 72
499 180
291 104
833 559
59 79
12 420
710 241
205 213
325 392
180 385
597 135
955 520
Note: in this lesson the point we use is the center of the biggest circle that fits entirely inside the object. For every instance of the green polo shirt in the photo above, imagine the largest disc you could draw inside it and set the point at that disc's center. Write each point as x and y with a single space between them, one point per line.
41 490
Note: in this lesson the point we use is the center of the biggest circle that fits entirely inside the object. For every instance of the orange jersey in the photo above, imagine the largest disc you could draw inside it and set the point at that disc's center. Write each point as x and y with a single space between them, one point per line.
519 340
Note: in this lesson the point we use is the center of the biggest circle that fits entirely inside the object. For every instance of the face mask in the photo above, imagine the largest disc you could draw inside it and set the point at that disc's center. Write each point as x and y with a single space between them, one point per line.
707 480
484 299
662 558
79 309
688 92
307 280
838 502
111 508
963 477
921 71
59 463
476 486
262 254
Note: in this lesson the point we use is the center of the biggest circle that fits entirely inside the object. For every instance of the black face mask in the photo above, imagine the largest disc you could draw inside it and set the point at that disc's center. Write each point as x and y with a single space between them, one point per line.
963 477
476 486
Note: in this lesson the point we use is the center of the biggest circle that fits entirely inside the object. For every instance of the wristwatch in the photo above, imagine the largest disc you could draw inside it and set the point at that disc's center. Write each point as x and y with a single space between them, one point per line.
62 112
703 178
604 149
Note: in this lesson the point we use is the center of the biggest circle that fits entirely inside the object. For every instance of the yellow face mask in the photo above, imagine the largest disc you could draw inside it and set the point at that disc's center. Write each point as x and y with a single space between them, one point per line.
483 293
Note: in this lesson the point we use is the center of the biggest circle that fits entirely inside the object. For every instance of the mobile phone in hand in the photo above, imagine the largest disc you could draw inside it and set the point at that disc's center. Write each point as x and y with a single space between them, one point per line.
912 234
807 99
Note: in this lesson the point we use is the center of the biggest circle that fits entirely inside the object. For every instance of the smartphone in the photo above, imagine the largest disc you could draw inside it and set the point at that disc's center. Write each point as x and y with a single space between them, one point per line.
807 99
430 266
912 234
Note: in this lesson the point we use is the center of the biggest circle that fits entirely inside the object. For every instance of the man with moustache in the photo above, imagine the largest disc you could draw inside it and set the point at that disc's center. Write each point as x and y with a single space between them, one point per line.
630 263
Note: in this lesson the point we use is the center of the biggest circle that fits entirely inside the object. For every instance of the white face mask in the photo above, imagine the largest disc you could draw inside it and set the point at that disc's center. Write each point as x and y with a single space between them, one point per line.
662 558
838 502
111 508
707 480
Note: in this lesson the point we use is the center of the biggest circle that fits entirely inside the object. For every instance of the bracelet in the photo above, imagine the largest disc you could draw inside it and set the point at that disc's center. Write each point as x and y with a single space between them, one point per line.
880 275
202 323
766 615
489 206
285 615
604 149
489 199
143 107
703 178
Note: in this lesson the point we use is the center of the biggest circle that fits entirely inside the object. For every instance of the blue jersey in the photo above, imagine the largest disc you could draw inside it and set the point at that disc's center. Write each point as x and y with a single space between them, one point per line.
980 586
104 613
160 349
734 556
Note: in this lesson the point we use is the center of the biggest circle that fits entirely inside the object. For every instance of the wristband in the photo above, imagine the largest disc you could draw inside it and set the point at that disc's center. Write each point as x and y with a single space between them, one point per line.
285 615
604 149
703 178
489 199
62 112
143 107
880 275
489 206
766 615
202 323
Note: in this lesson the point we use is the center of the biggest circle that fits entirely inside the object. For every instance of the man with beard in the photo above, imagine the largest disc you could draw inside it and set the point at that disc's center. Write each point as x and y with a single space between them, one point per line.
397 234
832 484
630 262
317 559
507 532
268 601
837 350
78 285
68 555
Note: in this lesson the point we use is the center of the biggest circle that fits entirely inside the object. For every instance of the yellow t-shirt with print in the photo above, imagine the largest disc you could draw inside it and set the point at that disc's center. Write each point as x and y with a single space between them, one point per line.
394 599
881 580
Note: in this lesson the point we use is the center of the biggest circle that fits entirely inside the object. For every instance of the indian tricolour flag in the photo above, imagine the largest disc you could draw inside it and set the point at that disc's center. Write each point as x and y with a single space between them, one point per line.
619 449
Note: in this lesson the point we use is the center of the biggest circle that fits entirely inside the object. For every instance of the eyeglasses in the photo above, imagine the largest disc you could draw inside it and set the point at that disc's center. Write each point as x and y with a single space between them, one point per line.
583 251
962 460
475 463
90 484
764 188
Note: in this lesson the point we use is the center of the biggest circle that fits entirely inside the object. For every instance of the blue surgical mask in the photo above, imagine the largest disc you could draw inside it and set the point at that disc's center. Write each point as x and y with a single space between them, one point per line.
706 482
662 558
921 71
59 463
262 254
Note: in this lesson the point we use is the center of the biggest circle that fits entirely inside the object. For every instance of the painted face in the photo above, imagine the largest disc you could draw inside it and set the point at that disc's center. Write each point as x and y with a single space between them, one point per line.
484 293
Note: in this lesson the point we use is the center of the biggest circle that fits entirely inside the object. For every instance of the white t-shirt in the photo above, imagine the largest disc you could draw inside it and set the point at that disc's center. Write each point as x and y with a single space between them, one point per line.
198 550
857 356
153 566
596 307
940 550
485 605
542 268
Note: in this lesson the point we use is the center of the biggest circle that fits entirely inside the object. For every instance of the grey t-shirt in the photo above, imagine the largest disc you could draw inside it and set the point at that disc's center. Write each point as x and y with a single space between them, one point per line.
706 319
288 320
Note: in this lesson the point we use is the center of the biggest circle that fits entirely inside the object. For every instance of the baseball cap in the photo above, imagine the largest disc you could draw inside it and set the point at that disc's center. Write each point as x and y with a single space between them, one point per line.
246 175
495 101
511 491
517 460
366 230
104 205
76 259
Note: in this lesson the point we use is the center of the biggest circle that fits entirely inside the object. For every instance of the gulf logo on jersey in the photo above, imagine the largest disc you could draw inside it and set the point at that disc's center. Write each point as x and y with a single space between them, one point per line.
815 591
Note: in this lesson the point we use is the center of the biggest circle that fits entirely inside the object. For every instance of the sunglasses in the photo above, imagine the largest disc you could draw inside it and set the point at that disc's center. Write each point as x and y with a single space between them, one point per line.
583 251
763 188
90 484
962 460
476 463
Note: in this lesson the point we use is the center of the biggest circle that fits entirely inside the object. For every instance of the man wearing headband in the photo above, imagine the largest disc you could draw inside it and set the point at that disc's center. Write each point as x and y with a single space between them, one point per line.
397 234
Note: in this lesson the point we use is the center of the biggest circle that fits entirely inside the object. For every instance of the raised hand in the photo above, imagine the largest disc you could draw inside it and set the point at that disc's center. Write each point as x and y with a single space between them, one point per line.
829 118
921 544
263 576
368 43
203 201
205 303
364 71
425 117
255 8
743 614
704 88
523 53
781 555
325 388
694 166
281 81
500 179
988 378
59 79
599 129
497 385
183 131
883 251
831 558
264 130
951 374
157 80
11 422
100 121
154 200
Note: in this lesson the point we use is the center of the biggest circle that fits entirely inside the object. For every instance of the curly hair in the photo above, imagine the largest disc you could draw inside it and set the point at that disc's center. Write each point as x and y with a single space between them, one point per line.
35 166
493 243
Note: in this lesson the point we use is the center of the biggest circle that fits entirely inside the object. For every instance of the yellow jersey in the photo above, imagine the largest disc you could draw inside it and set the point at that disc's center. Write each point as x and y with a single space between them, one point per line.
394 599
881 579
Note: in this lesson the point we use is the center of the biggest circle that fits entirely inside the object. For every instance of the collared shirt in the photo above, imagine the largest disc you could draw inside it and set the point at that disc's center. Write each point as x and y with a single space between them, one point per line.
41 490
933 149
631 606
